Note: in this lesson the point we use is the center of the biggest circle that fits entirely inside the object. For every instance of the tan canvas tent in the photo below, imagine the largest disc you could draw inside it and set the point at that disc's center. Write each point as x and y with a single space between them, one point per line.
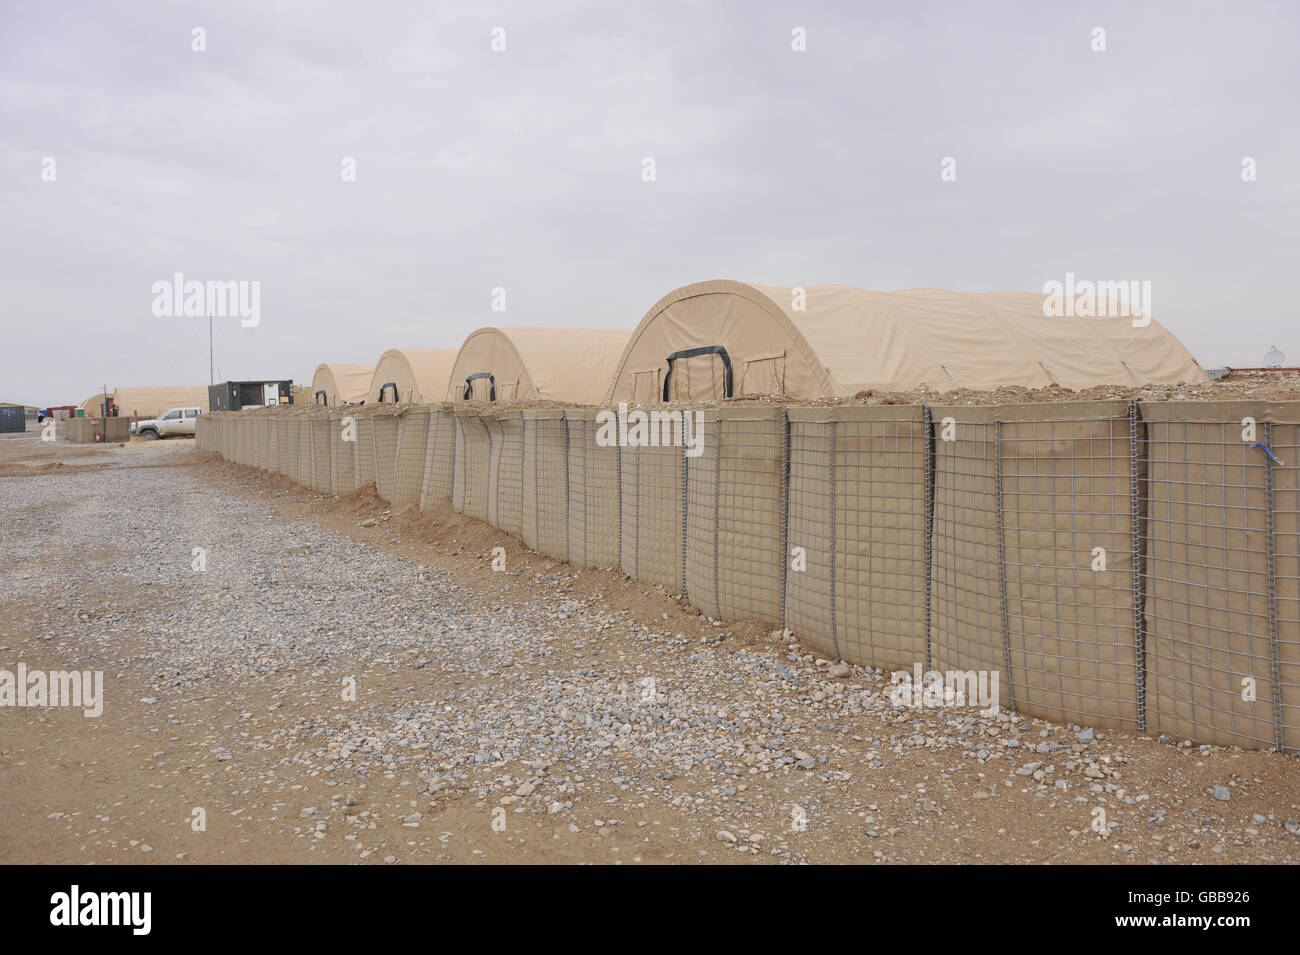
150 402
559 364
726 339
416 374
94 405
341 384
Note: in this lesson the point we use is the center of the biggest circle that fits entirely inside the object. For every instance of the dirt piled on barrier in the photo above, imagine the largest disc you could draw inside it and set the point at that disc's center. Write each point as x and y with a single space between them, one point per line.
1233 386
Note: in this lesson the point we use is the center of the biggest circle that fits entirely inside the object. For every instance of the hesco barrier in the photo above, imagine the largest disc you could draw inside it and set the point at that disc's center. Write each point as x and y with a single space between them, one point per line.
306 465
546 482
735 516
473 454
653 515
595 493
439 457
264 443
412 441
1117 564
1222 621
322 451
1033 555
293 434
857 507
365 463
505 491
343 461
385 446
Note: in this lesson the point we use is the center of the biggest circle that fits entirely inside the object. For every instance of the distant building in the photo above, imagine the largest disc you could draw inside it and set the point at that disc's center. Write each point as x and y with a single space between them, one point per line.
234 395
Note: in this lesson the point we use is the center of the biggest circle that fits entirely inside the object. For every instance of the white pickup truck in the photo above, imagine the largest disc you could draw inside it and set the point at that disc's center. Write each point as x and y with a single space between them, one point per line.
177 421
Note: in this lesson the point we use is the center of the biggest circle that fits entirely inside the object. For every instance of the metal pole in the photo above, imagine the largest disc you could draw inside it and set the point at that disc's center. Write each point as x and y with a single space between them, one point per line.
1002 559
1137 499
1270 554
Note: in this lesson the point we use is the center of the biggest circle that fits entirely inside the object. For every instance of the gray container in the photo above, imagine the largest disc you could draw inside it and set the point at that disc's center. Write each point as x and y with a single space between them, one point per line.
13 420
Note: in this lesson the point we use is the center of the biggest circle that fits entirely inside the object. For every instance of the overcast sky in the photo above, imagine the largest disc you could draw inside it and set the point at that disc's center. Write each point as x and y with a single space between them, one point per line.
522 169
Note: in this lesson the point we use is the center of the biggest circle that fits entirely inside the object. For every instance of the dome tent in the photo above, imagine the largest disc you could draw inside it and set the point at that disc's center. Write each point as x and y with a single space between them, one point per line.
94 405
342 384
727 339
415 374
558 364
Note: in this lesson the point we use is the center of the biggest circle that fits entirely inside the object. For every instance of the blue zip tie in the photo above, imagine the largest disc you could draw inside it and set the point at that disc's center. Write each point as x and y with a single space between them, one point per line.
1265 448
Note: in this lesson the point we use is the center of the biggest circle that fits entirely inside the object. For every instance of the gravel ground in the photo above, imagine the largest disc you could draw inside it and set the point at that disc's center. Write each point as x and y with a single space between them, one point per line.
538 714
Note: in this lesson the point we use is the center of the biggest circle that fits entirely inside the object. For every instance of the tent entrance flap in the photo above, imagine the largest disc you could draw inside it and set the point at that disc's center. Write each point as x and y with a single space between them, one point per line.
384 387
646 386
698 374
322 397
474 392
764 375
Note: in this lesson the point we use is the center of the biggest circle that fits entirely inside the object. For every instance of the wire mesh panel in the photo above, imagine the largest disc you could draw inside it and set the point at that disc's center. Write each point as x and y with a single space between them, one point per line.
266 442
252 439
734 511
412 439
1285 444
594 495
280 439
810 522
271 452
263 430
293 444
546 483
202 433
473 452
506 470
343 459
855 585
365 449
385 441
652 518
306 463
880 502
240 439
1214 646
322 452
701 550
440 458
1067 524
966 595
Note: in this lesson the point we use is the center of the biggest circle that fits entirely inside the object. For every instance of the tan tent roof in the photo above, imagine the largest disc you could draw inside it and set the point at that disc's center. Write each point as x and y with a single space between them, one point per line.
419 373
151 402
94 405
847 340
560 364
342 384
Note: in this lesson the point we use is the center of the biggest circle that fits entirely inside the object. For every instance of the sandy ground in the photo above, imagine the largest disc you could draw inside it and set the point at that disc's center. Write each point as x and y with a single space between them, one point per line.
501 717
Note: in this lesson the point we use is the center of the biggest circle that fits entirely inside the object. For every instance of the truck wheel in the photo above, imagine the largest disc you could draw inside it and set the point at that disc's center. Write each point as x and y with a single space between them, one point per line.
151 435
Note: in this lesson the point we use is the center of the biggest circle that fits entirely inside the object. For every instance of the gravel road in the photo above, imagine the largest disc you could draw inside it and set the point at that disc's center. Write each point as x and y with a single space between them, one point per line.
339 683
